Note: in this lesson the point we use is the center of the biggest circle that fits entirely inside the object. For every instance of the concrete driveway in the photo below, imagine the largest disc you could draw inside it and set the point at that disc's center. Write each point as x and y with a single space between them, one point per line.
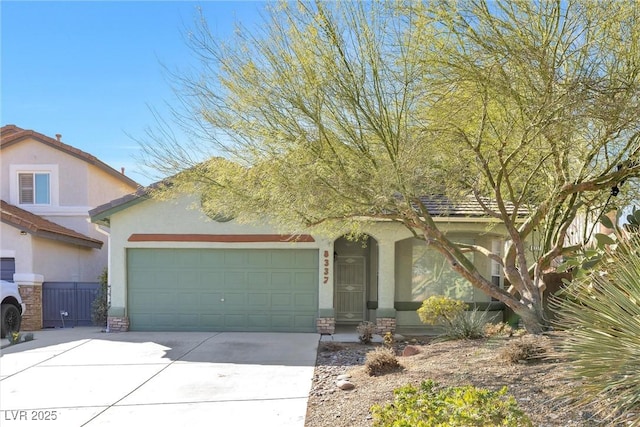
83 377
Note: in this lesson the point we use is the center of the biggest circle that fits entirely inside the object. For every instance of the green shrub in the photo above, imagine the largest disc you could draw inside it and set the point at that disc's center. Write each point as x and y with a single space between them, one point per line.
467 325
449 407
450 314
100 305
439 309
381 361
601 315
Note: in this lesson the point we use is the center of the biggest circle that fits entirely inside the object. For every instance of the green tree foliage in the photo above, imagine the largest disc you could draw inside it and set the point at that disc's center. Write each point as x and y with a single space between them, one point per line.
601 313
338 113
449 407
100 305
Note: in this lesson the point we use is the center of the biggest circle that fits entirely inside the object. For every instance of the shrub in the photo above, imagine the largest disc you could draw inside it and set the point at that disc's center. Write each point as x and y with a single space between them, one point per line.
389 340
526 348
450 314
601 316
467 325
439 309
498 329
449 407
14 337
381 361
100 305
365 332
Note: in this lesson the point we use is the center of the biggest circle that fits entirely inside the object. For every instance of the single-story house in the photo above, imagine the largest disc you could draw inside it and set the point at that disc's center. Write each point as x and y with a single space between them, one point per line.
172 268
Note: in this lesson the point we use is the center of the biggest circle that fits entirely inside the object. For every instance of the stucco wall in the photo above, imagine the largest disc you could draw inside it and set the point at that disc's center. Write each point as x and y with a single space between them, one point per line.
78 187
18 246
174 217
60 262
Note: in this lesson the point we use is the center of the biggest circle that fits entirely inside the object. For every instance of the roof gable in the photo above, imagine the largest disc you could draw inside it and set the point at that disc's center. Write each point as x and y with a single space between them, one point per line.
41 227
11 135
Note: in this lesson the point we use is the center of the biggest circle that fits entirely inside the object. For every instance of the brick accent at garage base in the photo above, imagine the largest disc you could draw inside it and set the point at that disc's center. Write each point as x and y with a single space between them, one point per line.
118 324
326 325
32 298
385 324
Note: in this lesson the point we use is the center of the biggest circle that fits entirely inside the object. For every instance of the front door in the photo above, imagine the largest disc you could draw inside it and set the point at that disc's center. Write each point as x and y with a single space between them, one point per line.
350 289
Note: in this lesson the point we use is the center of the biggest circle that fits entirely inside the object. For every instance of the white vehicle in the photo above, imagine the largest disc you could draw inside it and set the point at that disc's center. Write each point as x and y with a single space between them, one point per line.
12 308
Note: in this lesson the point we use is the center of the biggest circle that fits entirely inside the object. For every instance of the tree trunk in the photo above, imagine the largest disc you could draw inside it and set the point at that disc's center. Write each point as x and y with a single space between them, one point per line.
533 319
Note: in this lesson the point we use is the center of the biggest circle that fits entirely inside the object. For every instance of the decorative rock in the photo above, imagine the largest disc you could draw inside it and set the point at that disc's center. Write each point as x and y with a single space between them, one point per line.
343 377
410 350
345 385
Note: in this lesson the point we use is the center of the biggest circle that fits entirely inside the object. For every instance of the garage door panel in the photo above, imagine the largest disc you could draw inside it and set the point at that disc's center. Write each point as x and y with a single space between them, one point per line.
258 301
234 300
303 320
306 259
257 280
164 302
305 280
186 320
281 280
235 279
280 300
189 279
281 321
223 289
235 258
211 277
257 320
259 259
304 301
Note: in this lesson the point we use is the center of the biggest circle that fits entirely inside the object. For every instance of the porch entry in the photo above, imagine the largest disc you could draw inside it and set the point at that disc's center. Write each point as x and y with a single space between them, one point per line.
355 280
350 292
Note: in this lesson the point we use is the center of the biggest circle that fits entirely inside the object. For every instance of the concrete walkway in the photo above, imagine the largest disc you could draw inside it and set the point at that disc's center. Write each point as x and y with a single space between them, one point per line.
83 377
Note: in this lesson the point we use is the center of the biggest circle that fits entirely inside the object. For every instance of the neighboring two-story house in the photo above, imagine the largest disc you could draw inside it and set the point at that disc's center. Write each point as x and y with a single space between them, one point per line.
46 189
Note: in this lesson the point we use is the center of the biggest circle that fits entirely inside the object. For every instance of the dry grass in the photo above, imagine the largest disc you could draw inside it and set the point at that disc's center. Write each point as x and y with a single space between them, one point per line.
381 361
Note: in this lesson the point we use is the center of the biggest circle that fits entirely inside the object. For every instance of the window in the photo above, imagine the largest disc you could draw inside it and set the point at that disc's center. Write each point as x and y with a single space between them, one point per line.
432 274
34 188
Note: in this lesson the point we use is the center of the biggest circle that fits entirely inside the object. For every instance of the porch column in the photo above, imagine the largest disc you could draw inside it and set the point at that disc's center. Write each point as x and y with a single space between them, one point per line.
30 288
386 313
326 321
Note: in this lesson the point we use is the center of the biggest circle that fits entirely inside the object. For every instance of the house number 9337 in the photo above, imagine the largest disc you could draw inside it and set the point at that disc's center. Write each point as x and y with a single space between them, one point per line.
325 269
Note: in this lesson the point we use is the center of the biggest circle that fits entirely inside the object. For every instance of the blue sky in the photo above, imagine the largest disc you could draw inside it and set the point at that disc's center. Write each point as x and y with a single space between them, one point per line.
91 70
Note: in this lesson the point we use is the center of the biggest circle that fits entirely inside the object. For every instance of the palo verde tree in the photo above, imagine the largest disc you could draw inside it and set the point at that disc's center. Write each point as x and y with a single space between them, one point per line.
334 114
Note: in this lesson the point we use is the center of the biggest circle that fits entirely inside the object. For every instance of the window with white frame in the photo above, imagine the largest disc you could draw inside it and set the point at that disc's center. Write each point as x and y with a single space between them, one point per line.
34 188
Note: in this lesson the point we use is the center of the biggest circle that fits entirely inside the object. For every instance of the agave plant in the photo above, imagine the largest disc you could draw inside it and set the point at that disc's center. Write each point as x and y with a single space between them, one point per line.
601 313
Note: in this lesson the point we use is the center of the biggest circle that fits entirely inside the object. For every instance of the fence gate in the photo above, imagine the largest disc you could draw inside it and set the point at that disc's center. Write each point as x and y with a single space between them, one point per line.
67 304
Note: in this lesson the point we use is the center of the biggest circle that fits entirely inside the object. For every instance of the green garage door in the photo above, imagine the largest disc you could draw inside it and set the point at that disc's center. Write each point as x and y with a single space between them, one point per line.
222 289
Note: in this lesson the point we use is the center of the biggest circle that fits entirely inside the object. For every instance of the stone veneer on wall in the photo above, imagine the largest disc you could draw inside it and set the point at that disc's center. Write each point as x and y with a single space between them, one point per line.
32 298
117 324
385 324
326 325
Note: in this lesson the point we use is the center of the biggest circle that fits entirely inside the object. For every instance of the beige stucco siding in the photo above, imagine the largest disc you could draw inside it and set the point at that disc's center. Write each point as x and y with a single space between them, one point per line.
60 262
175 217
18 246
179 217
76 187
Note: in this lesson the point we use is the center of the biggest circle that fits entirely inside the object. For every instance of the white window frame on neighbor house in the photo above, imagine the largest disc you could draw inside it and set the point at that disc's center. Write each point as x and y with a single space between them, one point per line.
14 185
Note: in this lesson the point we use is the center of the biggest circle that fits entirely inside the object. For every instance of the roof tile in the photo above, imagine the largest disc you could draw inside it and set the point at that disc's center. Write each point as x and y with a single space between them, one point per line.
39 226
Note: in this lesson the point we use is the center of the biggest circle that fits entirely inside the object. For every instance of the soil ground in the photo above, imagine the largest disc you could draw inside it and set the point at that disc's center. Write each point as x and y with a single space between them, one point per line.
538 386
